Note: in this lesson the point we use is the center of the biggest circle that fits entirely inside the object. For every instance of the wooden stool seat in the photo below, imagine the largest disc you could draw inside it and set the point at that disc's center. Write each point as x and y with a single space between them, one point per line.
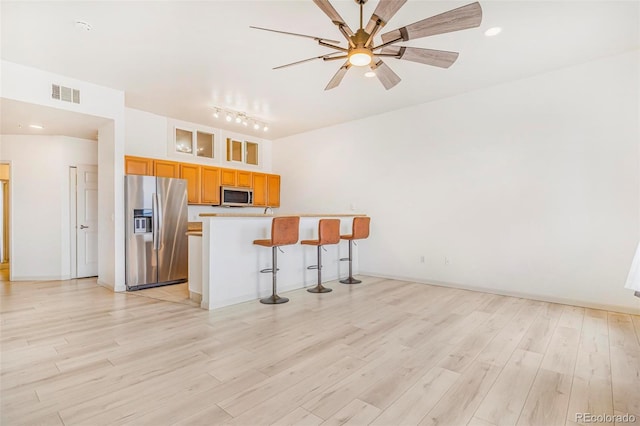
328 233
359 231
284 232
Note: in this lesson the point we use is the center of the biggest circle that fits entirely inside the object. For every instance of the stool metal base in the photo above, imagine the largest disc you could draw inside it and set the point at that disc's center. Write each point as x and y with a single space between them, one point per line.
274 300
350 280
319 289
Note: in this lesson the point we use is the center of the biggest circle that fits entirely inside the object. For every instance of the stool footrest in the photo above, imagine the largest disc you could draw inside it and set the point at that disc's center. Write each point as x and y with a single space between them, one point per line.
312 267
268 270
342 259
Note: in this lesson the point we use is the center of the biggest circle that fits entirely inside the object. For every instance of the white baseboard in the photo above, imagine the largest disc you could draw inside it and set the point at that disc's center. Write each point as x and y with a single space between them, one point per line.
40 278
542 298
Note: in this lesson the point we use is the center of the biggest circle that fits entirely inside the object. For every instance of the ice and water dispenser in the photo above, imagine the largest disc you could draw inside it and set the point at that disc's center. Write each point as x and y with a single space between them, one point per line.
142 221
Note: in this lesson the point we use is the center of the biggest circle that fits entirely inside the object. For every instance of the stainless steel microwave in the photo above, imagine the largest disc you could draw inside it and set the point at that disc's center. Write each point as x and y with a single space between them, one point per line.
236 197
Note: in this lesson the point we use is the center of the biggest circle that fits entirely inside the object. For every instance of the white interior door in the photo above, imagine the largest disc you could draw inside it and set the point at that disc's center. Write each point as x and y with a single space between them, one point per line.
87 221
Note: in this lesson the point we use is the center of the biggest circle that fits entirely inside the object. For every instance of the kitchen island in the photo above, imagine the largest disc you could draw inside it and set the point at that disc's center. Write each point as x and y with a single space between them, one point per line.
229 263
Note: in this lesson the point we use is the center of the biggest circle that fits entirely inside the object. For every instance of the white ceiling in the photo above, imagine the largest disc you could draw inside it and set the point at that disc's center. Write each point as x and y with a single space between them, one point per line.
180 58
17 117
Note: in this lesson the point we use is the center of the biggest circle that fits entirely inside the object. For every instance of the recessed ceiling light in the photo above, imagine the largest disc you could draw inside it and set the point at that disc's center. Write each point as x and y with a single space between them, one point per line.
82 25
36 126
493 31
369 74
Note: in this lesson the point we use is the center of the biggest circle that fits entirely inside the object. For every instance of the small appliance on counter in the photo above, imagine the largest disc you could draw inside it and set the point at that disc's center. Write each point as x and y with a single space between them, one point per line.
156 224
236 197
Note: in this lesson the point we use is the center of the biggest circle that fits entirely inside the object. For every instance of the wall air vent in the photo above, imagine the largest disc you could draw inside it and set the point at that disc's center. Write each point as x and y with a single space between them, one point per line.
66 94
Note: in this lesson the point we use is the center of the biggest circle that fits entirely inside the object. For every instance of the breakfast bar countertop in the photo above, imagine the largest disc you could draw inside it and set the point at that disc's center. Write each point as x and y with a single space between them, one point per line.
280 215
225 263
194 229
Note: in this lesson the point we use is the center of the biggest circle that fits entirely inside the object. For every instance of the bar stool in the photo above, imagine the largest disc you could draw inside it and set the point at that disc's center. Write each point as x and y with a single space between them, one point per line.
284 232
328 233
359 231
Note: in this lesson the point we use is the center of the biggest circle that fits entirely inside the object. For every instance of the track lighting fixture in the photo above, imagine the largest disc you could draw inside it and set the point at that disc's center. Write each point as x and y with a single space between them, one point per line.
239 118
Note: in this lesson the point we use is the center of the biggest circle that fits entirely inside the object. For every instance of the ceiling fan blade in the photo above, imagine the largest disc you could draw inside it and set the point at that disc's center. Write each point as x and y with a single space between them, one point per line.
387 77
305 60
437 58
462 18
337 78
384 11
296 34
333 15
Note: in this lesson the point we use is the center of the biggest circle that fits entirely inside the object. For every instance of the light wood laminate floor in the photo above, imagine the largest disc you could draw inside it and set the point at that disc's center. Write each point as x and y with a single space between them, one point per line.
383 353
176 293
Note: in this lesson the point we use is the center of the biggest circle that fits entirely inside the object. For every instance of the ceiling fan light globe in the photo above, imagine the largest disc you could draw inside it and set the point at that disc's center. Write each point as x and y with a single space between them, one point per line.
360 57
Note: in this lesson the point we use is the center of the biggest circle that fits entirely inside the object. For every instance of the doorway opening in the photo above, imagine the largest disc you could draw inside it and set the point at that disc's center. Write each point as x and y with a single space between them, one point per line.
4 227
83 187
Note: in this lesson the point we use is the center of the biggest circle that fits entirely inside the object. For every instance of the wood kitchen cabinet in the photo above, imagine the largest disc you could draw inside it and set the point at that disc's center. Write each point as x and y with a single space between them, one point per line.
210 182
233 177
266 190
168 169
138 166
204 182
228 177
192 174
259 189
273 190
244 179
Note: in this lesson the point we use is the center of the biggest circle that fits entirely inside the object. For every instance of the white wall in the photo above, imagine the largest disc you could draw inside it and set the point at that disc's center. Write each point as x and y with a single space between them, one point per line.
40 202
27 84
528 188
151 135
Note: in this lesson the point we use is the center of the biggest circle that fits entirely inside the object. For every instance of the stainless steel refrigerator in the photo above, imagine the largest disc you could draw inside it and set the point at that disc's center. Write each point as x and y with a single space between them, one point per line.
156 225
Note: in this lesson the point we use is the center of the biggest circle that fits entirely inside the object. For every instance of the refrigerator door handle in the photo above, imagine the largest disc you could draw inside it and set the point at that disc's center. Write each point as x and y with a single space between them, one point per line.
160 217
154 218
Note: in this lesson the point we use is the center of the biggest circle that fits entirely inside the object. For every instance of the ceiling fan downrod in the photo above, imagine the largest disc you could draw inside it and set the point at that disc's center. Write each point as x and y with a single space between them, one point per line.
361 3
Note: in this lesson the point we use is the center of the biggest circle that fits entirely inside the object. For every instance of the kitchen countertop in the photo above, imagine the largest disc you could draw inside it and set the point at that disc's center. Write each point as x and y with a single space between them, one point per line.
280 215
194 229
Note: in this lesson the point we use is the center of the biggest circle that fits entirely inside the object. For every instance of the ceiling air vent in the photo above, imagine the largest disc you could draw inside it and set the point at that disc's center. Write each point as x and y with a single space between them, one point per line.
66 94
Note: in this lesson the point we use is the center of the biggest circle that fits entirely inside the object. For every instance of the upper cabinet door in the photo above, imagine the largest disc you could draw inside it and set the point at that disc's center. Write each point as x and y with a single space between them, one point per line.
259 189
210 178
243 179
228 177
168 169
273 190
138 166
191 173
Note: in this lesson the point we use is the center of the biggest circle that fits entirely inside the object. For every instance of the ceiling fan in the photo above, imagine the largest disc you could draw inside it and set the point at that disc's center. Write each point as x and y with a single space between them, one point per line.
362 51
